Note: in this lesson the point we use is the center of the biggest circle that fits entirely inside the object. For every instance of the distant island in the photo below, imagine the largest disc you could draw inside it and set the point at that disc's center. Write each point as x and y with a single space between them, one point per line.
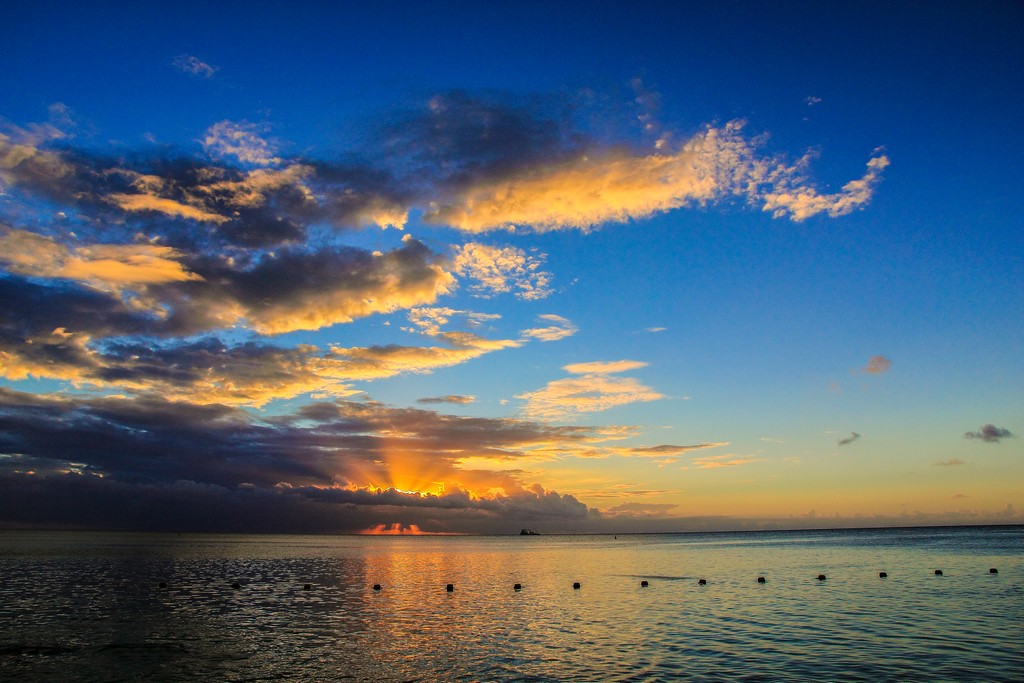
528 532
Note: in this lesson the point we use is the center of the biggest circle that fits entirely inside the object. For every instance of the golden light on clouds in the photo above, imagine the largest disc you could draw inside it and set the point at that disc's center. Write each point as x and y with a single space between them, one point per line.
623 185
27 253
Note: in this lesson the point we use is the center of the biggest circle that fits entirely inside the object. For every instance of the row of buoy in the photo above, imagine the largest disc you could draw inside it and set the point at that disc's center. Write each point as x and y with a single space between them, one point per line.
577 585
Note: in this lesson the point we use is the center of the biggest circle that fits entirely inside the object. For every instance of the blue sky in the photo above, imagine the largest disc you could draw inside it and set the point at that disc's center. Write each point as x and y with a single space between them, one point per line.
465 267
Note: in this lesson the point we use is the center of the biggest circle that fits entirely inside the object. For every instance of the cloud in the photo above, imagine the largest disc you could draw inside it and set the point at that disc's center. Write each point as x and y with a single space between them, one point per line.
989 434
877 365
242 140
583 186
561 329
604 368
846 441
344 457
663 450
499 270
104 265
954 462
641 510
708 462
194 66
451 398
160 297
594 391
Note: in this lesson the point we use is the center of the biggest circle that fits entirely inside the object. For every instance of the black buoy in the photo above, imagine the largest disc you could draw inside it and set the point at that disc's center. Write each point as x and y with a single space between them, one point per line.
376 586
236 585
993 570
449 588
163 584
882 575
760 579
643 584
702 582
938 572
821 577
307 587
517 587
576 586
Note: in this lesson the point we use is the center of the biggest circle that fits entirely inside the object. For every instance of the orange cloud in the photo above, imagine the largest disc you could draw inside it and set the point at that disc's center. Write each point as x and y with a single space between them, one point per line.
604 368
169 207
622 185
35 255
877 365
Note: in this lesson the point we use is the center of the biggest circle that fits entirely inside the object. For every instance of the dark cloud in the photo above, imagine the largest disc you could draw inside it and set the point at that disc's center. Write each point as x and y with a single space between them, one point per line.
460 137
849 439
92 461
451 398
989 434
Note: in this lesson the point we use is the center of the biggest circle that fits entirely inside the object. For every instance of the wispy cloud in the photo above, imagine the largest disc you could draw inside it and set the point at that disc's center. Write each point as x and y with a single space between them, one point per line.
194 66
456 399
595 390
709 462
643 510
559 329
953 462
989 433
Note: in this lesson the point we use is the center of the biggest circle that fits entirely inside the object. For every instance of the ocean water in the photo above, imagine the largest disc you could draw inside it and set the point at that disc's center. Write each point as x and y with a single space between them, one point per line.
90 606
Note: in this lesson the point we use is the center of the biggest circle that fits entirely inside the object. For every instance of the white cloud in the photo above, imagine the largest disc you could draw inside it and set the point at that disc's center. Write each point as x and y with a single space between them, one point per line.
594 390
499 270
241 140
562 328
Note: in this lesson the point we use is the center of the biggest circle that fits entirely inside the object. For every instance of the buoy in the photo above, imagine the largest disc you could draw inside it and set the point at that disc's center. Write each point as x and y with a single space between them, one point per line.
938 572
993 571
163 584
236 585
307 587
449 588
517 587
760 579
702 582
821 577
643 584
376 586
882 575
576 586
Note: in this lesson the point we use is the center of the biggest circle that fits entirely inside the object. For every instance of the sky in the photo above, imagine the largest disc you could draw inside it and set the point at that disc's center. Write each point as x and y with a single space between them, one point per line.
463 267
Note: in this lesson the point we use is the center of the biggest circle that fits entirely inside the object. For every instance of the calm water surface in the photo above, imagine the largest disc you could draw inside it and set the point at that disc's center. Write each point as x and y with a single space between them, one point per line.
88 606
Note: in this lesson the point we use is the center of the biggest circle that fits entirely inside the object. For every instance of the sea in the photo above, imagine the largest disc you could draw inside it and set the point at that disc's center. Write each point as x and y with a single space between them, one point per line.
86 606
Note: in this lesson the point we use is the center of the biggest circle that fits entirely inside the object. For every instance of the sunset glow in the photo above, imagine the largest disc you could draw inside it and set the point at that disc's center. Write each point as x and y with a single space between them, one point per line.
458 268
